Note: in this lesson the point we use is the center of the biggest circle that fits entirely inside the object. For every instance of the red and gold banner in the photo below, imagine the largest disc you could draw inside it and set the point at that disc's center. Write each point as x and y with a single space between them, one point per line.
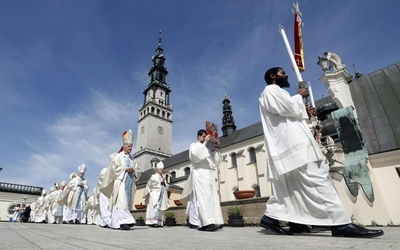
298 41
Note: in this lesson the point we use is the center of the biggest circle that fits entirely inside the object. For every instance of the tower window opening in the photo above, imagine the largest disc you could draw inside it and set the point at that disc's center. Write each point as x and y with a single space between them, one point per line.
233 159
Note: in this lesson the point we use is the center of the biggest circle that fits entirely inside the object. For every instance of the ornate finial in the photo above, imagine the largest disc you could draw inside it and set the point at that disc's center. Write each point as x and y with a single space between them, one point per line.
296 9
225 95
159 39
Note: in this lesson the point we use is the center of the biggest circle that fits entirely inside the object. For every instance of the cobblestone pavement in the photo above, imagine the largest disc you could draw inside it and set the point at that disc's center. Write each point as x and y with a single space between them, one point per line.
52 236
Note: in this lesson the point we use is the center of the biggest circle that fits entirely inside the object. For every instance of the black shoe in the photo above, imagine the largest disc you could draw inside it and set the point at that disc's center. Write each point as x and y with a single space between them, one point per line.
352 230
273 225
71 222
209 228
124 227
106 226
299 228
131 225
77 222
43 221
220 227
54 223
193 226
156 225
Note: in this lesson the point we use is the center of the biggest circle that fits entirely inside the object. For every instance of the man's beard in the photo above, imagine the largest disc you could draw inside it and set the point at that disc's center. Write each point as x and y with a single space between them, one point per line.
282 82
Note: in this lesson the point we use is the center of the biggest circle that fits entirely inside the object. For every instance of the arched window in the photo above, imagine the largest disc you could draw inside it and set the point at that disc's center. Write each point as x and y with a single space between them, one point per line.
173 175
152 110
10 209
187 171
158 111
233 160
252 155
163 114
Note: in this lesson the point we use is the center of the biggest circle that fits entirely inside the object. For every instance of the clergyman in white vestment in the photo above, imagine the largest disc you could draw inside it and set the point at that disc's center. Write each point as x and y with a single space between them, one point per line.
202 183
119 185
302 192
156 197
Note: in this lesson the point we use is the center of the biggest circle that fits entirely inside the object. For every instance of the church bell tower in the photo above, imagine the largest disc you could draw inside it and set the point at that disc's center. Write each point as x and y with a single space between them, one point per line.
154 136
228 123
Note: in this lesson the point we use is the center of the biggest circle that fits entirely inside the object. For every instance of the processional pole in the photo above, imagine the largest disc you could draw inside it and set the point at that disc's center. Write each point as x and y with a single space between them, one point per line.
302 84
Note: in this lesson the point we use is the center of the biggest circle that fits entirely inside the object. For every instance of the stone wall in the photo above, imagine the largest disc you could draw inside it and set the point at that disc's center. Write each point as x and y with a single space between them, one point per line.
254 209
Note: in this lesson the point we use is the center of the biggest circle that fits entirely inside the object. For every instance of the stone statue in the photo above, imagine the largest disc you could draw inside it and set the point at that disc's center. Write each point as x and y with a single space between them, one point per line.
333 155
334 60
323 62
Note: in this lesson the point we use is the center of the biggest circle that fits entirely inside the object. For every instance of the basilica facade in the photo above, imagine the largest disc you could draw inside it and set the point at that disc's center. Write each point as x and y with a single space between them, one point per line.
369 200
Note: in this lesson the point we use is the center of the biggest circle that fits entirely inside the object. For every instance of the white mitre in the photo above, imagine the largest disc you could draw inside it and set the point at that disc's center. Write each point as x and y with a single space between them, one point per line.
160 165
82 168
127 137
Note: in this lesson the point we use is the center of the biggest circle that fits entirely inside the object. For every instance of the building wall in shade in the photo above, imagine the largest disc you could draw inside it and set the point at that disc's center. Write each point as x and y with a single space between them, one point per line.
376 97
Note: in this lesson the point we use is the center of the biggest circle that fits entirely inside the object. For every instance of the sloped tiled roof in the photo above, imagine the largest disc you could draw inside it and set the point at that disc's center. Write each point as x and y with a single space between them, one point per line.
236 137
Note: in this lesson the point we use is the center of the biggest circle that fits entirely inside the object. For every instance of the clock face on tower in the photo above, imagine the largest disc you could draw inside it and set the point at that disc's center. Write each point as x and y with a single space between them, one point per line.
160 130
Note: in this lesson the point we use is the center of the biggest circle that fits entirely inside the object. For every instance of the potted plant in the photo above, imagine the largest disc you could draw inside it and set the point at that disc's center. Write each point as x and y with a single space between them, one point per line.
178 202
235 216
140 206
170 219
244 194
140 221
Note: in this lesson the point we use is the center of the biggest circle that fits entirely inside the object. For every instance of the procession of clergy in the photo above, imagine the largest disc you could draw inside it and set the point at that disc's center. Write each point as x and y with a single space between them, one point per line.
110 204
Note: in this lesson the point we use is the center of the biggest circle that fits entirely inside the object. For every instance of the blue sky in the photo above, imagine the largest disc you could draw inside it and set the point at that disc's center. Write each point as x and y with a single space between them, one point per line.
72 72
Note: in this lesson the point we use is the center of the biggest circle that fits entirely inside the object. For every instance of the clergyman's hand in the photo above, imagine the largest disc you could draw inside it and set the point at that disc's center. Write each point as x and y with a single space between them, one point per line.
303 92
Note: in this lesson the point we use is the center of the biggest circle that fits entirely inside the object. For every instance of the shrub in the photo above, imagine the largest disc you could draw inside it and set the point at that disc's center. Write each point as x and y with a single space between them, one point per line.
139 218
235 211
169 215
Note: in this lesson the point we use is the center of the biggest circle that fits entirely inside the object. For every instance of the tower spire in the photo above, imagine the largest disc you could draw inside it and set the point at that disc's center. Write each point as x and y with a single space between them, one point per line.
154 137
159 39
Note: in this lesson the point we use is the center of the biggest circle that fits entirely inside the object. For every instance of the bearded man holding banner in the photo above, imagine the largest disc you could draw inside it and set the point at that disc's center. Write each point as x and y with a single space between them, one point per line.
302 192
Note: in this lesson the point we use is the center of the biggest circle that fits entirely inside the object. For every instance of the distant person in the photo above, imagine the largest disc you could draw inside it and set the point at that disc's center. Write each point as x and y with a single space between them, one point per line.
156 197
76 190
40 212
56 208
62 206
16 214
27 214
104 209
302 192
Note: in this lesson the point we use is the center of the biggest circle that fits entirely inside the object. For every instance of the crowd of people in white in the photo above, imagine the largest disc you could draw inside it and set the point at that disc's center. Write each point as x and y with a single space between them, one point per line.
110 203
